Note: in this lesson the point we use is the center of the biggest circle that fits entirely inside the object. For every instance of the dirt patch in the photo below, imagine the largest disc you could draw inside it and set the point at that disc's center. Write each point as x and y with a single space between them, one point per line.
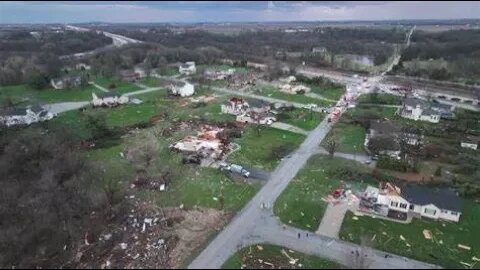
151 237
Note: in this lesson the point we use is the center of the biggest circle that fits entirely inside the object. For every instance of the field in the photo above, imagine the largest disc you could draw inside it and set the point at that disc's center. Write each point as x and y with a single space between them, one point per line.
24 93
301 203
331 93
380 99
250 257
441 249
265 149
273 92
121 87
349 136
301 118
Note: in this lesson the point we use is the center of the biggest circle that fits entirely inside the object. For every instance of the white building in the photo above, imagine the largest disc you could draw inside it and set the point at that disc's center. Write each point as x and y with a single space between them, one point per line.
256 118
108 99
25 116
470 142
412 200
188 68
418 109
183 89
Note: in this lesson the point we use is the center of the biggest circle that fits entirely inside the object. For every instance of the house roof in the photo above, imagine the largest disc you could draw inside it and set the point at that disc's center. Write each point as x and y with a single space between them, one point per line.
471 139
16 111
258 103
443 198
413 102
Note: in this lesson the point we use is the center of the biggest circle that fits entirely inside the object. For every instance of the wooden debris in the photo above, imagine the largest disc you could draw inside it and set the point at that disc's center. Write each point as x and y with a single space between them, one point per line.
384 233
427 234
373 238
259 247
466 264
355 218
464 247
402 238
475 259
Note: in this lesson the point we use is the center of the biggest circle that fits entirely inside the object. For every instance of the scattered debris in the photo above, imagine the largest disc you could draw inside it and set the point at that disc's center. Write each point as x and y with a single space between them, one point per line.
427 234
384 233
123 245
373 238
475 259
464 247
355 218
466 264
259 247
402 238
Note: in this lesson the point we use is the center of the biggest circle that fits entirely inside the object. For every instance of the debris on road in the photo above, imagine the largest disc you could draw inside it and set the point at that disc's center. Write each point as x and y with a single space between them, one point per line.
427 234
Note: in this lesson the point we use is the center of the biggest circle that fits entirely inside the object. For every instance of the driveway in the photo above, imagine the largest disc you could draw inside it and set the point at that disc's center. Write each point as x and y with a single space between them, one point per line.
57 108
288 127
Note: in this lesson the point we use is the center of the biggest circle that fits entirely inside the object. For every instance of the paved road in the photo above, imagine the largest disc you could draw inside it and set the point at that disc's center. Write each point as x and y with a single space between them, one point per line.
268 99
57 108
288 127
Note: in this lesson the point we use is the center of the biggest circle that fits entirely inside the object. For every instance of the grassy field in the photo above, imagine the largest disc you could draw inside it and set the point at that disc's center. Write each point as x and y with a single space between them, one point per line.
331 93
150 81
349 136
266 149
19 93
301 118
169 72
364 110
202 68
121 87
273 92
301 203
381 99
249 258
441 250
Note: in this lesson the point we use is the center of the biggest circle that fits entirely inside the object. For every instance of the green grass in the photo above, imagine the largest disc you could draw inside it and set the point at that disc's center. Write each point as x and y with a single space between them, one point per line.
20 92
72 121
301 203
249 256
447 254
381 99
202 68
301 118
331 93
364 110
273 92
121 87
258 151
169 72
349 136
150 81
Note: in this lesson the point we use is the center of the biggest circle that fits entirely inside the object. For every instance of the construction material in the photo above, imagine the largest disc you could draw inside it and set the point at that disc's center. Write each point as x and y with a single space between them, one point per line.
464 247
427 234
402 238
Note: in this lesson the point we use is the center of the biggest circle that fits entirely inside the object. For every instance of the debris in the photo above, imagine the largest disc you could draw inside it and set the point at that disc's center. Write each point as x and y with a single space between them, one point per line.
373 238
291 260
302 214
440 242
181 206
355 218
132 197
384 233
122 155
259 247
466 264
475 259
215 198
136 256
427 234
464 247
162 187
107 236
123 245
269 264
407 244
402 238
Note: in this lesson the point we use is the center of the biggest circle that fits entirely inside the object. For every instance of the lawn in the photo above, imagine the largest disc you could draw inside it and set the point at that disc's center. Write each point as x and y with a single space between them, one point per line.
19 93
301 203
331 93
273 92
250 257
380 99
369 110
202 68
350 137
121 87
301 118
265 150
169 72
150 81
441 250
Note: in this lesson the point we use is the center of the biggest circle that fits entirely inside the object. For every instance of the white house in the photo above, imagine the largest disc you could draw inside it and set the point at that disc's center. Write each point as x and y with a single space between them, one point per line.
183 89
188 68
25 116
418 109
470 142
108 99
235 106
411 200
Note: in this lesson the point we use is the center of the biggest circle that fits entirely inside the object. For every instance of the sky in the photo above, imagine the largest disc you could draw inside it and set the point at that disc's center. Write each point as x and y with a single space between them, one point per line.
230 11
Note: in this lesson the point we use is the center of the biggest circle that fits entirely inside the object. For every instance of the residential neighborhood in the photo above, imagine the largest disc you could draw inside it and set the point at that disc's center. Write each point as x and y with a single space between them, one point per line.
265 135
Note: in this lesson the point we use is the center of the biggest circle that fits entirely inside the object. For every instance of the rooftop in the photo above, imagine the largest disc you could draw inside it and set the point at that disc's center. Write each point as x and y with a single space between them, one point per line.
443 198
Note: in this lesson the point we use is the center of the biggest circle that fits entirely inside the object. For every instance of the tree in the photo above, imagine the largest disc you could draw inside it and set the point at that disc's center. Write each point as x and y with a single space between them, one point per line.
331 144
144 152
96 123
37 80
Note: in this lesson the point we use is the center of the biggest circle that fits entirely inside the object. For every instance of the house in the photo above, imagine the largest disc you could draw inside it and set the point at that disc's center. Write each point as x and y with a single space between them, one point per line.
82 66
206 144
294 89
264 118
188 68
108 99
25 116
434 203
411 201
385 138
66 82
235 106
129 75
180 88
219 74
242 79
470 141
423 110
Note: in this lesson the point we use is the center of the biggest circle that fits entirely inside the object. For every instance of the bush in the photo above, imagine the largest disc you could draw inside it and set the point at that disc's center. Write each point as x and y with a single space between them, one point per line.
112 86
392 164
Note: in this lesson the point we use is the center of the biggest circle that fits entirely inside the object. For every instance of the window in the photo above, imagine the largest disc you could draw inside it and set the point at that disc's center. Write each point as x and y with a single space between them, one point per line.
454 213
412 206
444 211
403 205
394 204
430 211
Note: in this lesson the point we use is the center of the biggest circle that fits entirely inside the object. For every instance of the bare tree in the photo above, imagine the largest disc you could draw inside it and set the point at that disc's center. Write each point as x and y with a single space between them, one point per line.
331 144
144 151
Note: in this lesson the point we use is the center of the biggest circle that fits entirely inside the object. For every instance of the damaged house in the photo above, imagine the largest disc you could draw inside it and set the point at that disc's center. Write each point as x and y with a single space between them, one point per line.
108 99
219 74
66 82
254 111
180 88
25 116
252 117
290 87
188 68
411 201
235 106
385 138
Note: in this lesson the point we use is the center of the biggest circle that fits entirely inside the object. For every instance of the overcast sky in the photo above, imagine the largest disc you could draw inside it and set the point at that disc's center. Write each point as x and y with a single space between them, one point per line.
234 11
